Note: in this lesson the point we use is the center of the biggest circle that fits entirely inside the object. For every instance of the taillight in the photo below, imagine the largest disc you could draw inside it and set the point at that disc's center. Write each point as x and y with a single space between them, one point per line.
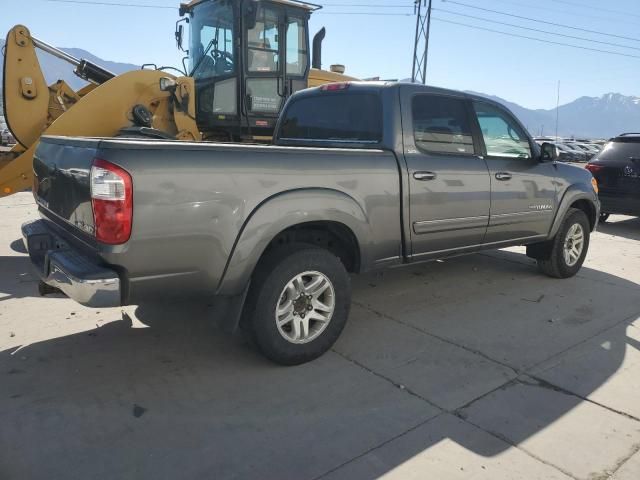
112 201
593 168
335 87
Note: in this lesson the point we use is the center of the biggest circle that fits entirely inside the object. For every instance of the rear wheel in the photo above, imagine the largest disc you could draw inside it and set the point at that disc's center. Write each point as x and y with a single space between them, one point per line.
298 304
568 249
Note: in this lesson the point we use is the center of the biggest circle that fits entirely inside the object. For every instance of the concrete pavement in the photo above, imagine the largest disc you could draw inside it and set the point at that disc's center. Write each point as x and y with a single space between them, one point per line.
476 367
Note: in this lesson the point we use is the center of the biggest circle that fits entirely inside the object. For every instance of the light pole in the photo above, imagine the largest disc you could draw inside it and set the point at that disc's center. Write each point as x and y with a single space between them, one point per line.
557 109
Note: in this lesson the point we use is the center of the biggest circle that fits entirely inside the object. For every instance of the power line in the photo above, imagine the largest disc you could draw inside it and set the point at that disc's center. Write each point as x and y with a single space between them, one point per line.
610 10
536 39
111 4
567 12
164 7
542 21
536 29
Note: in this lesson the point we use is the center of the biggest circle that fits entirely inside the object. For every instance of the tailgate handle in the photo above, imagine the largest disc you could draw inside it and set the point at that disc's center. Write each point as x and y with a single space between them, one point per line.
424 176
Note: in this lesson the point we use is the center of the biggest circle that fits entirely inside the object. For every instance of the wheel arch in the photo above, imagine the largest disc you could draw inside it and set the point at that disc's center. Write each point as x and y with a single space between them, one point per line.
323 217
581 197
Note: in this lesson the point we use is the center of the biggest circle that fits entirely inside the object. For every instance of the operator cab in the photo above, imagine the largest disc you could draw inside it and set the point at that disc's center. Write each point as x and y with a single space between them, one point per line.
246 57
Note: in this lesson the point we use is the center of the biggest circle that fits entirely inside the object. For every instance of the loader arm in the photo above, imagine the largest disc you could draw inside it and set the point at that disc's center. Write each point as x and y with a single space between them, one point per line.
101 109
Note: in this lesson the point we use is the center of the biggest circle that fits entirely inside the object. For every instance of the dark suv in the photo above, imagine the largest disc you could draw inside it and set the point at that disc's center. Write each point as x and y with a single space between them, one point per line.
617 170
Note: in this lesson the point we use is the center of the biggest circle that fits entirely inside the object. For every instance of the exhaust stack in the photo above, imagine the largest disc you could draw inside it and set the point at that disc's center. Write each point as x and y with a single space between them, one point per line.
317 48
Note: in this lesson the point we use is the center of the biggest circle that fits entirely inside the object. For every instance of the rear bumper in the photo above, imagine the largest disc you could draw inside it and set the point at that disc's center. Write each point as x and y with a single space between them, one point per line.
620 204
59 266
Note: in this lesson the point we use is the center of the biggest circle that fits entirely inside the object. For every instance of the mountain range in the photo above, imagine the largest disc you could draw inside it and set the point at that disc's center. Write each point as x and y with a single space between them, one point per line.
592 117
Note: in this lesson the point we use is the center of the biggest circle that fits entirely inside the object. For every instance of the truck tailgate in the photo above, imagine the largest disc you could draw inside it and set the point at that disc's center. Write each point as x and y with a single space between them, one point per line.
62 183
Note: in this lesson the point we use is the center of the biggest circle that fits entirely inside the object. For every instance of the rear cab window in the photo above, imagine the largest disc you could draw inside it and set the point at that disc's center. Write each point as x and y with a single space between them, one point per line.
441 125
349 117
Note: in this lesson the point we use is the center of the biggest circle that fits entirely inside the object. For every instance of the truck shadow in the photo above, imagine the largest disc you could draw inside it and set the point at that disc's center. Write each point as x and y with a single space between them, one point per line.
16 279
626 227
163 394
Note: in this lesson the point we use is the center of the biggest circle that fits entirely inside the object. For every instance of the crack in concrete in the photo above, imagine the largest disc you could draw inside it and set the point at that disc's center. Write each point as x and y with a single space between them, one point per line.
372 449
515 371
458 412
620 463
399 386
551 386
518 447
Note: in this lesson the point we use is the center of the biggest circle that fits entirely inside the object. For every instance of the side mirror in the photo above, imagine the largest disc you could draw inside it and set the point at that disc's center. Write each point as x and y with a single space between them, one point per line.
549 152
179 33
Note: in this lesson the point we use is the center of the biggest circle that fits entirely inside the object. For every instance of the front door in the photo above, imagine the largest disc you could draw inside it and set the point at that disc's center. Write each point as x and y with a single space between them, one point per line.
264 80
277 61
523 193
449 188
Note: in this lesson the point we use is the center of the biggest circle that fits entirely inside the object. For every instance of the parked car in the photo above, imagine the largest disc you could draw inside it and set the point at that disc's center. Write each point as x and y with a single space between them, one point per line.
4 134
578 153
362 176
6 137
566 154
617 170
588 153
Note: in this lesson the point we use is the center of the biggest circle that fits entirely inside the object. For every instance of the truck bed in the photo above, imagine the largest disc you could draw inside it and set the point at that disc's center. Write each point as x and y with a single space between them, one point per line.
198 207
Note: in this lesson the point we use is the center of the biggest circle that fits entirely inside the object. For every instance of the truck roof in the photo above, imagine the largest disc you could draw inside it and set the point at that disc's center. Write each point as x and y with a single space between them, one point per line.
389 130
372 86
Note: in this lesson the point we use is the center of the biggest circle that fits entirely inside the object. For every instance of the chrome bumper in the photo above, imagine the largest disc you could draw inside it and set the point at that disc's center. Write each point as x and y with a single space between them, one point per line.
59 266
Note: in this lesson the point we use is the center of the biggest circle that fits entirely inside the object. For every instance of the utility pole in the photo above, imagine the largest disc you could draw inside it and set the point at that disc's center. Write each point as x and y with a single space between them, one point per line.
421 45
557 109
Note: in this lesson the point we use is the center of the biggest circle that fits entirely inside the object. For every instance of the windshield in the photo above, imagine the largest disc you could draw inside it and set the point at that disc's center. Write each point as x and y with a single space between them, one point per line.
211 52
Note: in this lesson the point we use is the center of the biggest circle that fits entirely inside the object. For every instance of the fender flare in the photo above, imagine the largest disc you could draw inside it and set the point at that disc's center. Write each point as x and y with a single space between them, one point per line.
571 195
280 212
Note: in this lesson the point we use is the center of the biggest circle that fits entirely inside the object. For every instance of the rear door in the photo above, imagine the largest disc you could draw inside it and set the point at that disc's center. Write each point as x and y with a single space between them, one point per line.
449 187
523 192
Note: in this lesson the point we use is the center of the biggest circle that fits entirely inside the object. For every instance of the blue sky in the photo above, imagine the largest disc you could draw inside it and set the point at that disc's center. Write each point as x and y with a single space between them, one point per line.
517 69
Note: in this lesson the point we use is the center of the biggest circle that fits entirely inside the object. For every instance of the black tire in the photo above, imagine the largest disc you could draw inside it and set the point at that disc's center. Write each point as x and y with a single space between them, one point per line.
554 263
272 274
604 217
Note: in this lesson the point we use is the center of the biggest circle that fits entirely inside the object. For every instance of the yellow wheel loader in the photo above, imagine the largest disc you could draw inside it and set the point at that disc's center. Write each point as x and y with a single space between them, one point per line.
244 58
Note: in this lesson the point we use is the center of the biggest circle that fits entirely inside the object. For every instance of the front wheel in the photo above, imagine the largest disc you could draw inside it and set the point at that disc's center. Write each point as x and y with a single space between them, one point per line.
298 304
569 247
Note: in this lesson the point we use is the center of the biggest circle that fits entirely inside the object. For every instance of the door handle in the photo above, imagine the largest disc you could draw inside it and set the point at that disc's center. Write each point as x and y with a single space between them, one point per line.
503 176
424 176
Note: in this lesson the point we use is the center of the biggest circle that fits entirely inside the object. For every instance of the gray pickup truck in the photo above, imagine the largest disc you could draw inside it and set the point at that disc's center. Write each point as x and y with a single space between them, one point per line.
361 176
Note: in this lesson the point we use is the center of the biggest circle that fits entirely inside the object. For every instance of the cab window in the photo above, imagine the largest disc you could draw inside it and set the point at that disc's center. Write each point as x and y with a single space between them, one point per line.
340 117
441 125
263 42
503 136
211 44
297 56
